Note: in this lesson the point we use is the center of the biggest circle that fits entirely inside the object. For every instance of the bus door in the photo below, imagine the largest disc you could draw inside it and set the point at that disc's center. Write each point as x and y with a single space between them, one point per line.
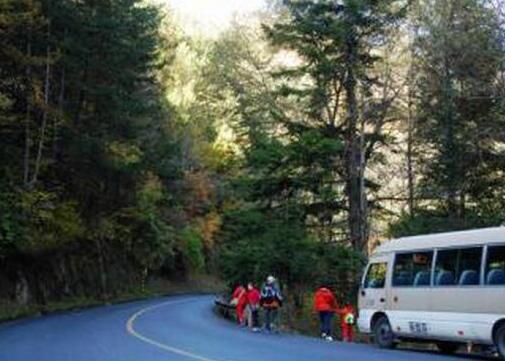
372 294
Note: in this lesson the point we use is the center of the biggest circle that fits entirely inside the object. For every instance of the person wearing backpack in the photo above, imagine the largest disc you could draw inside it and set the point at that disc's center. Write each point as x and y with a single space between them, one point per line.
270 301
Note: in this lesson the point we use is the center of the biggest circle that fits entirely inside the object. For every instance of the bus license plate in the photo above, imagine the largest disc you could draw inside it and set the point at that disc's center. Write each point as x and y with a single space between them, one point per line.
419 328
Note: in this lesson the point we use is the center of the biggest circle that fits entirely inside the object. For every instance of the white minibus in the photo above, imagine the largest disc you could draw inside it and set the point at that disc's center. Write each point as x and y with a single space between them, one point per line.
446 288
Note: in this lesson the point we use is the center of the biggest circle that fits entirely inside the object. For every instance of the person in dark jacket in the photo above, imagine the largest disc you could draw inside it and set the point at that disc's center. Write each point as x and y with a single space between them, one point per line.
270 301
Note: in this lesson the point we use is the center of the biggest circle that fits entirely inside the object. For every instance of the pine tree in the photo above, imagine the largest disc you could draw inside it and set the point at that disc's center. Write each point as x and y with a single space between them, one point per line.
338 42
458 56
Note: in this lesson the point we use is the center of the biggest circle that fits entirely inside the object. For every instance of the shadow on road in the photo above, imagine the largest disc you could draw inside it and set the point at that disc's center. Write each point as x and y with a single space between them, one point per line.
462 356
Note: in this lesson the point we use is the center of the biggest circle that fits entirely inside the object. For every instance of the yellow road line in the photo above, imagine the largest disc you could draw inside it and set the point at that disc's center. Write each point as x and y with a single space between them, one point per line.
131 330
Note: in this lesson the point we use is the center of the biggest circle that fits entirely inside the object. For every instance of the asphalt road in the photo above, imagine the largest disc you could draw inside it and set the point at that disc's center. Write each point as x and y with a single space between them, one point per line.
171 329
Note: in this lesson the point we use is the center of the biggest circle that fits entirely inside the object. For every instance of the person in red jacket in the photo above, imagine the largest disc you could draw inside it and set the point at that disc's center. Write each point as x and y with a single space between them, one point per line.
239 300
347 319
325 304
253 303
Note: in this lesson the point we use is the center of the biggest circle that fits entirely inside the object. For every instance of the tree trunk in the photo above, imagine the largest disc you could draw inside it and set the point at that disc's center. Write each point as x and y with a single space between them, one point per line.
448 117
410 158
26 162
362 191
64 275
61 98
61 106
81 103
353 181
43 126
449 145
101 269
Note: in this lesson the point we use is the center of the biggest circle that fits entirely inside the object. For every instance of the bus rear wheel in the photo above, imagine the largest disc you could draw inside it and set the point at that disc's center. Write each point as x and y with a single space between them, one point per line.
500 341
383 333
447 347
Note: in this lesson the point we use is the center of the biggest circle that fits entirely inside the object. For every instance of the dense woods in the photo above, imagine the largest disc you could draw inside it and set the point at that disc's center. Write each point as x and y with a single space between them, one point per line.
291 144
94 190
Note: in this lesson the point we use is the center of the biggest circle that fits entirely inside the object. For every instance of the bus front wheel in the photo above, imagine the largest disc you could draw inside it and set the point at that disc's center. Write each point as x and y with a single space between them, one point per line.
383 333
500 340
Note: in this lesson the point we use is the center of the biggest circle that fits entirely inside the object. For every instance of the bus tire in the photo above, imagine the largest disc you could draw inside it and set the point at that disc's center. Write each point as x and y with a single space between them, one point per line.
447 347
499 340
383 333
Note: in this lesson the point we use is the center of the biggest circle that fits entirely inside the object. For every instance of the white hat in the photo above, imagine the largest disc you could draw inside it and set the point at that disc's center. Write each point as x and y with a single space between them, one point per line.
270 279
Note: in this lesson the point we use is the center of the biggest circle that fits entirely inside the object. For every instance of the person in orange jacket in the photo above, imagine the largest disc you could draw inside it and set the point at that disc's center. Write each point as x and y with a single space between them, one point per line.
347 319
239 300
325 304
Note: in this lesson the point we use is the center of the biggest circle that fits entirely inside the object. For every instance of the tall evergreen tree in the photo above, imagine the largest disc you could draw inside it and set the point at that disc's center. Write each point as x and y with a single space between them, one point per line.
458 54
338 42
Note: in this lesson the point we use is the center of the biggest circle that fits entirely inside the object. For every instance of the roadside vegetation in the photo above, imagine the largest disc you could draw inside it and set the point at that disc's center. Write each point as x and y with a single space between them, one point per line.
292 144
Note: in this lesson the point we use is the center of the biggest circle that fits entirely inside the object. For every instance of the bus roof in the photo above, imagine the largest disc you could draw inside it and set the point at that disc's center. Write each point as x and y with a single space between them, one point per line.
447 239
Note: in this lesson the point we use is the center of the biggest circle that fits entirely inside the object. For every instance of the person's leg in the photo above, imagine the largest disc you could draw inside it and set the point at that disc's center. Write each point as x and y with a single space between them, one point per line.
254 318
322 322
350 333
267 319
240 314
329 318
345 332
244 315
325 328
248 316
273 319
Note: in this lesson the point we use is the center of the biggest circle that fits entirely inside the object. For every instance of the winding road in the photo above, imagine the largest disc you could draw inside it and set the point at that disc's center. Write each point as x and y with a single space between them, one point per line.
183 328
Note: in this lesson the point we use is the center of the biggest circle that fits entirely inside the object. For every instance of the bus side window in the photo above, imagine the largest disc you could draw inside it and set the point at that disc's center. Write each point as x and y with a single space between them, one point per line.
495 266
458 267
412 269
376 276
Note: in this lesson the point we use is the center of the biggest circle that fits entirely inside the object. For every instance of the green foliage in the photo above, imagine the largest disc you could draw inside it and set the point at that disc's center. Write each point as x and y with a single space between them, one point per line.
89 174
290 201
336 82
192 248
435 221
124 156
260 243
37 221
49 222
457 130
10 221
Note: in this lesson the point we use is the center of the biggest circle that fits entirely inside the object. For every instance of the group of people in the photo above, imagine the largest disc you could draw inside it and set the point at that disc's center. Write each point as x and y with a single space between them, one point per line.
249 300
